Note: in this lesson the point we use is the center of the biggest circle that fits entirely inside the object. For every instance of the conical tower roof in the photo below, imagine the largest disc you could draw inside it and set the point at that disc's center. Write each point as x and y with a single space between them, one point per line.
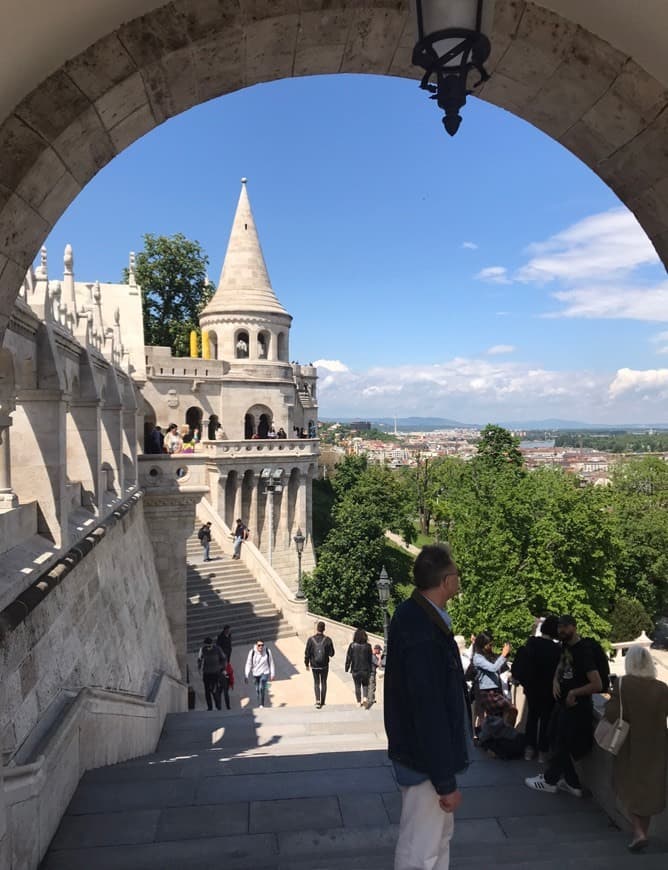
244 284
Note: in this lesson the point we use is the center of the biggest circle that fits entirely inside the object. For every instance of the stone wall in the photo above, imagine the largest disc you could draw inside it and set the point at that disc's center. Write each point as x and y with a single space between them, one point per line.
104 625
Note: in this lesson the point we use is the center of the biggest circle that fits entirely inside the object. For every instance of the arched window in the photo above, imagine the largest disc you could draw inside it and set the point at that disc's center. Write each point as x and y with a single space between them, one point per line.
241 345
263 425
213 426
213 345
249 426
263 345
282 347
194 420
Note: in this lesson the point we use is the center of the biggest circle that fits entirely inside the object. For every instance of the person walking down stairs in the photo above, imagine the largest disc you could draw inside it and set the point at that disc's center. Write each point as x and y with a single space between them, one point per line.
319 650
204 536
260 664
359 660
240 535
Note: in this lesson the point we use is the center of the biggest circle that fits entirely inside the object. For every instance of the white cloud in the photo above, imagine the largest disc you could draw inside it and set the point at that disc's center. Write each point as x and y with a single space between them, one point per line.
498 349
494 275
469 389
332 365
615 302
661 340
647 382
470 246
600 247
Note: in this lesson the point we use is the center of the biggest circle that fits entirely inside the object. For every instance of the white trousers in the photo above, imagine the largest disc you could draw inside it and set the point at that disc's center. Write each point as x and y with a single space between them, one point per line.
425 830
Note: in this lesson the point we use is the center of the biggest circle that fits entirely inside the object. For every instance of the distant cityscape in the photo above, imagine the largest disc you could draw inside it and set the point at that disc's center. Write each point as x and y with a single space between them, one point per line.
387 443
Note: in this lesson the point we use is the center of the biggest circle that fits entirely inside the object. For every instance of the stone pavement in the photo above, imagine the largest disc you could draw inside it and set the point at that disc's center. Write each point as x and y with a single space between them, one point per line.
293 788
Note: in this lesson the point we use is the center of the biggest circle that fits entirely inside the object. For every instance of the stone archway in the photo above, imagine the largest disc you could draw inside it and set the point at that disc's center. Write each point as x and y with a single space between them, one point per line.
587 93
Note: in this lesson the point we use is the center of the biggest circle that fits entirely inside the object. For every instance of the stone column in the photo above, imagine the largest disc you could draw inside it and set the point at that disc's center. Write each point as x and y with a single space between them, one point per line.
40 459
83 451
8 497
253 508
301 504
112 450
171 520
238 498
129 458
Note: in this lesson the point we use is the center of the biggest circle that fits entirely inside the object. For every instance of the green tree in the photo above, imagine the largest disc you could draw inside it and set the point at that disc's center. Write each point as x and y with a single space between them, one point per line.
628 619
347 473
171 271
498 447
343 584
639 507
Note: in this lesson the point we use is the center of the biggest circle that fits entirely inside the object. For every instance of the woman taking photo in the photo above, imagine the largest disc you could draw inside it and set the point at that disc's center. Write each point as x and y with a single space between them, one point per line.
640 768
488 686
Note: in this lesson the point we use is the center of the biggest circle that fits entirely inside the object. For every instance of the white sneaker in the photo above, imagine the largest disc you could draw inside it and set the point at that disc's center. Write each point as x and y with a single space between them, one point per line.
537 783
569 789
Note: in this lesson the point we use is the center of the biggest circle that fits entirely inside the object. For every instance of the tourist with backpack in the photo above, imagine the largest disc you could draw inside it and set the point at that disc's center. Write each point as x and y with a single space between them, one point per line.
319 650
488 686
211 663
204 536
576 680
260 665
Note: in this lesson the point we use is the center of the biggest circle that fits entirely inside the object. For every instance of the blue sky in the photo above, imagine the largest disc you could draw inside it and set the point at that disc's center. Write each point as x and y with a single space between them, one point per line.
490 276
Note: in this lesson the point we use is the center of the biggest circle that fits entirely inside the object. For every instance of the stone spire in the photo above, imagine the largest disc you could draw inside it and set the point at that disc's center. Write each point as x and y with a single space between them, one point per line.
244 282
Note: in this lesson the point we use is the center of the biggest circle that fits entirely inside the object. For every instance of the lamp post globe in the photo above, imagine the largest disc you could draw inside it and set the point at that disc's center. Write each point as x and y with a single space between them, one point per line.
383 585
299 540
452 41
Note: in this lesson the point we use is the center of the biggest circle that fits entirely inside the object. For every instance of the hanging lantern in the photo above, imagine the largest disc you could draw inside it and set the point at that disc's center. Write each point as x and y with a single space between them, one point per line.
452 43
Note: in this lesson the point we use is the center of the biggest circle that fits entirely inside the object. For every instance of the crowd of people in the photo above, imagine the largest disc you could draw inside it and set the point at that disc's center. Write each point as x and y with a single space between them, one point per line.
442 697
185 439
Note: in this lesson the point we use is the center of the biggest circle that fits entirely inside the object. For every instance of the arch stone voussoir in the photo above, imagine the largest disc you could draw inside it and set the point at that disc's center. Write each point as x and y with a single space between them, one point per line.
584 92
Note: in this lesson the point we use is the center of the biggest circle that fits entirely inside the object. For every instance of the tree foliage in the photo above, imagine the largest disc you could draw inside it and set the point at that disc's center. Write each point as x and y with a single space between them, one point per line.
526 544
171 271
369 500
628 619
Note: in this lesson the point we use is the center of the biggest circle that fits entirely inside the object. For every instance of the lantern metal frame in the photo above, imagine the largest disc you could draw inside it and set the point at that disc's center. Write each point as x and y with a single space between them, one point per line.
451 70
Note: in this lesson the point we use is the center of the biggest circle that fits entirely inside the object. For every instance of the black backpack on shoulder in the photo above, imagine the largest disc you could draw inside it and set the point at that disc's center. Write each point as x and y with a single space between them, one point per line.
602 661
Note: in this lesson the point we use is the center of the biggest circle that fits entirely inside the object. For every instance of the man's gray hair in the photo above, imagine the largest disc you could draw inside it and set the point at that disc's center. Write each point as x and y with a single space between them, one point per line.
639 662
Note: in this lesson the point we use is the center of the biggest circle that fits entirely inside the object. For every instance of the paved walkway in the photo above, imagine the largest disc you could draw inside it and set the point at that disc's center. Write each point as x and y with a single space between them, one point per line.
293 686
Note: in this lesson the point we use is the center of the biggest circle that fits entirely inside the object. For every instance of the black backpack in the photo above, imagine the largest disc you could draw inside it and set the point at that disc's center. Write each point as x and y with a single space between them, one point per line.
602 661
319 657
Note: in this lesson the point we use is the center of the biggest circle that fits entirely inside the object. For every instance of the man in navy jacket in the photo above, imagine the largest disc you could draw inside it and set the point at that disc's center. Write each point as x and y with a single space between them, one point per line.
427 715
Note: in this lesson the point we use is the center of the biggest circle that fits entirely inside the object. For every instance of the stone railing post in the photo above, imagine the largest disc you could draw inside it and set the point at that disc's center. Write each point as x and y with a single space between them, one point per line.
8 497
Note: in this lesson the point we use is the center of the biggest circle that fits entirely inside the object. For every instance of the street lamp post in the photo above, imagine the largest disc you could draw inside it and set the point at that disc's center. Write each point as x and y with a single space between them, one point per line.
383 586
272 476
452 42
299 540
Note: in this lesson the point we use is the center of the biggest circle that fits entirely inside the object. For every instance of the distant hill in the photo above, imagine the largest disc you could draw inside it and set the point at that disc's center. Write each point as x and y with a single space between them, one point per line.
431 424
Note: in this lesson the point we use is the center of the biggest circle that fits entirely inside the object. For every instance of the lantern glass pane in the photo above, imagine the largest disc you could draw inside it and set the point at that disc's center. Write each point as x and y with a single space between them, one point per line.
441 14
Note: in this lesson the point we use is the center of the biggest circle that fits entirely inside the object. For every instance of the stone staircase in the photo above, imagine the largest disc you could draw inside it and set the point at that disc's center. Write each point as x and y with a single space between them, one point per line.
293 788
224 592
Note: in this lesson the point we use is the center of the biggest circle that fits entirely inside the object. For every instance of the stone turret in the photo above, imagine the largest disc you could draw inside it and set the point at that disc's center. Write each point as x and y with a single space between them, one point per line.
244 321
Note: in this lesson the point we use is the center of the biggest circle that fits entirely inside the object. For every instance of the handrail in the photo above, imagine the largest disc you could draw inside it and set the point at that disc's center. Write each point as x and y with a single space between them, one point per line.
24 603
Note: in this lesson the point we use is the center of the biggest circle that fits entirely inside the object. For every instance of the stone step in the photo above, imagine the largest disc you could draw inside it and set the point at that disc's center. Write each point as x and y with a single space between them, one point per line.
223 591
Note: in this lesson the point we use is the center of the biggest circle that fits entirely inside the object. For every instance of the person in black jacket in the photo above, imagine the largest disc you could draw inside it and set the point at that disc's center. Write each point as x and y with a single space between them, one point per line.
534 667
427 714
224 641
359 663
319 650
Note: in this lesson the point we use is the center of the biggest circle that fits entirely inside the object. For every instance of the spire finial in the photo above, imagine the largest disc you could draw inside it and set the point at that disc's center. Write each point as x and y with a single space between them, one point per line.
68 259
244 180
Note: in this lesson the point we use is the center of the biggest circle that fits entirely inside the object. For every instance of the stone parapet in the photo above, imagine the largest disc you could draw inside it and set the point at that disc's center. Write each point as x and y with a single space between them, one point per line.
79 732
273 448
